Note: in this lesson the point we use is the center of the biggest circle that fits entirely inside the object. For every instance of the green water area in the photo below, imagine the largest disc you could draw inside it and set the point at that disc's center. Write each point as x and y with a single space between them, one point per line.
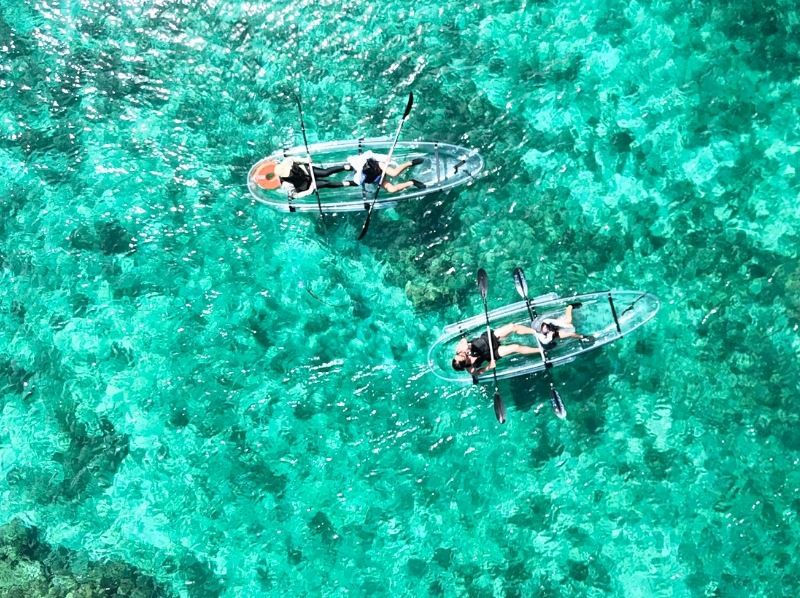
202 395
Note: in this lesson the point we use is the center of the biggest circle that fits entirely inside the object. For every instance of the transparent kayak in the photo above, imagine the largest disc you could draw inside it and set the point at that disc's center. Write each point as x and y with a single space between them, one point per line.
604 316
443 167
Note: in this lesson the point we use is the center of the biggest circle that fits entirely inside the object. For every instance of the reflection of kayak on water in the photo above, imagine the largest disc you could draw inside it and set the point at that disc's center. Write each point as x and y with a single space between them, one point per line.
602 318
437 166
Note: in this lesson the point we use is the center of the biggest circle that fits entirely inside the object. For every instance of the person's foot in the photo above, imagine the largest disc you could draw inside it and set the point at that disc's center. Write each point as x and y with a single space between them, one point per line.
348 167
576 305
418 184
417 161
589 339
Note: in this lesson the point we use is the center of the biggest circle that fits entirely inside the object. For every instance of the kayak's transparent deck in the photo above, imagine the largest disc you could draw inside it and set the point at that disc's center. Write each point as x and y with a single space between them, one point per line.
444 166
593 318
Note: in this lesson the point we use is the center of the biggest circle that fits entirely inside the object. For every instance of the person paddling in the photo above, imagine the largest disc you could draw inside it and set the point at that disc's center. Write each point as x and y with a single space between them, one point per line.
293 176
368 168
470 355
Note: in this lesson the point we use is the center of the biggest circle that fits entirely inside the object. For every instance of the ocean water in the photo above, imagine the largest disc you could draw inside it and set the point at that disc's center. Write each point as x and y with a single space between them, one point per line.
236 402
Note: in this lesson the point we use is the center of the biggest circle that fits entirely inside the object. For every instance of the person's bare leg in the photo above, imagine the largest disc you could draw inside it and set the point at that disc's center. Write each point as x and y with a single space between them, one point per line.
391 188
569 335
564 321
395 170
520 329
504 331
506 350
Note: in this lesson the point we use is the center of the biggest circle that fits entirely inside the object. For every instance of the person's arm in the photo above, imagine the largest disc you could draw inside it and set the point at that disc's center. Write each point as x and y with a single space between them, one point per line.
489 366
308 191
289 189
292 191
475 372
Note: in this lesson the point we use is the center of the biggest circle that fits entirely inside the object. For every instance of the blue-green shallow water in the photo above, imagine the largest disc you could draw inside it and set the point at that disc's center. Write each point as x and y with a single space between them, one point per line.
235 402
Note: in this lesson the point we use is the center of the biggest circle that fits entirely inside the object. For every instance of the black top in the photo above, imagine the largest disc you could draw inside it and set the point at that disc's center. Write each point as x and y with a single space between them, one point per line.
299 177
479 347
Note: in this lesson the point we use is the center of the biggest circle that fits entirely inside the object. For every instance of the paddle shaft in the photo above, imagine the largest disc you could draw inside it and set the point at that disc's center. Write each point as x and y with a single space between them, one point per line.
499 407
555 398
532 316
388 161
489 338
308 153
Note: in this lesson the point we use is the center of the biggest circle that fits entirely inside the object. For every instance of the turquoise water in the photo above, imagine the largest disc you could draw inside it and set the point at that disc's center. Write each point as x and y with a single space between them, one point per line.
235 402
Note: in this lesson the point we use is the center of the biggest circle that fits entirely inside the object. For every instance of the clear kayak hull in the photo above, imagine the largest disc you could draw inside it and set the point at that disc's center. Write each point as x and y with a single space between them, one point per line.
444 166
605 316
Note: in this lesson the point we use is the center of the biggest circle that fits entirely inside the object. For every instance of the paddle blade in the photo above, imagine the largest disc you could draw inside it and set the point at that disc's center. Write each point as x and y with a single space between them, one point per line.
520 282
499 408
483 282
364 228
557 403
408 105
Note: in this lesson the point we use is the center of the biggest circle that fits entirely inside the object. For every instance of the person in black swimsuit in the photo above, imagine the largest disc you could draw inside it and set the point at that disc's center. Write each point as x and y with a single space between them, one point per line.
295 177
471 355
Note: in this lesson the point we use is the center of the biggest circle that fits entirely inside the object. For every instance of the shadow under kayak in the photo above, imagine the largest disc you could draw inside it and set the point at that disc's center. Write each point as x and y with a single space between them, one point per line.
604 315
443 167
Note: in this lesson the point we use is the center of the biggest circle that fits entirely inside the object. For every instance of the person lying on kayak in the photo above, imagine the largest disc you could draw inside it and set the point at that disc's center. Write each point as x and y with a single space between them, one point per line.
368 167
293 176
470 355
549 330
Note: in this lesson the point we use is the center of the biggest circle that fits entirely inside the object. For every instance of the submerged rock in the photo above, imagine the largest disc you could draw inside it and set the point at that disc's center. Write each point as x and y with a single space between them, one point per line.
91 462
321 525
114 239
31 567
792 293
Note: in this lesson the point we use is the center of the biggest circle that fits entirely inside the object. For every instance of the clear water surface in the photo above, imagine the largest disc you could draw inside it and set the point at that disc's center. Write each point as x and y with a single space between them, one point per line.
235 401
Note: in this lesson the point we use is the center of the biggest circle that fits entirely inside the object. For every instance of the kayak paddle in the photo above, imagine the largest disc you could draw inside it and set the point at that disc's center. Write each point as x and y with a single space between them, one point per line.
388 160
308 154
499 407
555 398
